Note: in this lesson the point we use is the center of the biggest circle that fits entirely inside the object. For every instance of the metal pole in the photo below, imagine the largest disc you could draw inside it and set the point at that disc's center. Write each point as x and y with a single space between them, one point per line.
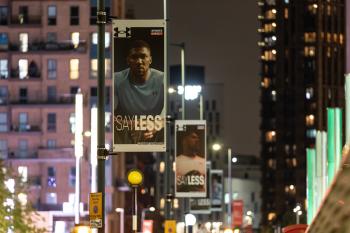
134 213
229 210
101 151
201 106
183 79
122 221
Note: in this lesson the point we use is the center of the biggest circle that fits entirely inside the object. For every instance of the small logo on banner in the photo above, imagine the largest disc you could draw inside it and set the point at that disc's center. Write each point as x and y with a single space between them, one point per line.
122 32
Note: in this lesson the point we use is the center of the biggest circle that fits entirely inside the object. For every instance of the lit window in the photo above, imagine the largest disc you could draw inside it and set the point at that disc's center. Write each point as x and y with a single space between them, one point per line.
290 189
93 68
272 163
310 120
270 14
75 39
107 39
72 122
4 72
51 177
311 133
270 136
273 95
286 13
74 68
309 51
310 37
294 162
266 82
23 68
23 40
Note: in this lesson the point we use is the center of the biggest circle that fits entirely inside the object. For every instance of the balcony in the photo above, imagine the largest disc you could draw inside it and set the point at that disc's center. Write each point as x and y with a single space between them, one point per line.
22 154
26 20
64 99
25 128
45 46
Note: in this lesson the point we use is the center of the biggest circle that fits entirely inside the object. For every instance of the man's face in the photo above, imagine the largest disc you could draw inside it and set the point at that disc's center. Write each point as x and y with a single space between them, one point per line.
193 141
139 60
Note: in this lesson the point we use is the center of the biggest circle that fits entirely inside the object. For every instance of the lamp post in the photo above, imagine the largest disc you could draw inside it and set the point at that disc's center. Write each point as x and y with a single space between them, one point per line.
217 147
135 178
298 212
121 212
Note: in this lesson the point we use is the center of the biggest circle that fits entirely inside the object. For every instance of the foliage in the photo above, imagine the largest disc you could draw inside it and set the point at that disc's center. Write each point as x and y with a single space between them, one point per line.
15 216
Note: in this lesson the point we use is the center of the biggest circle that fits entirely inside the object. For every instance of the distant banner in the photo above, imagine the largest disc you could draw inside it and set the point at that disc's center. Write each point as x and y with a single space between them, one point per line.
190 161
139 86
237 213
216 190
202 205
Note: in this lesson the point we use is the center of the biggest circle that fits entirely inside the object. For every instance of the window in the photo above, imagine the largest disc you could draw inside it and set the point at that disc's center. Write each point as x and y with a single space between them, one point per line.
23 95
4 72
74 68
3 94
270 136
23 121
51 143
310 120
72 177
51 122
93 15
74 15
4 41
23 68
72 122
74 90
23 148
51 15
23 14
51 198
51 69
3 122
3 15
51 37
3 149
51 93
51 177
23 40
23 172
75 39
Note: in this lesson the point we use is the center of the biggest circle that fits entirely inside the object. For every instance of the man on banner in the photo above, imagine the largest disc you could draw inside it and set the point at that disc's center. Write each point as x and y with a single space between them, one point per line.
139 92
190 163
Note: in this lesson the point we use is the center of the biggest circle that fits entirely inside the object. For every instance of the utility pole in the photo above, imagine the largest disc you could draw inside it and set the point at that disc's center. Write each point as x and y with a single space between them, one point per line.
101 150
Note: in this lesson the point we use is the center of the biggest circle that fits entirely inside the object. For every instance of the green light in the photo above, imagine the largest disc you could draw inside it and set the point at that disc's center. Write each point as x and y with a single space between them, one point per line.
331 146
311 167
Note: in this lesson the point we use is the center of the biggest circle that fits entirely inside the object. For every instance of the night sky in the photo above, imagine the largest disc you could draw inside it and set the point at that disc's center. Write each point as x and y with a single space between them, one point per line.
221 35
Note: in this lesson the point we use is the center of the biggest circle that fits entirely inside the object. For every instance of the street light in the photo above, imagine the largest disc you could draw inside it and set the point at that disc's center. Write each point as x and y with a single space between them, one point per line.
121 212
190 220
298 212
135 178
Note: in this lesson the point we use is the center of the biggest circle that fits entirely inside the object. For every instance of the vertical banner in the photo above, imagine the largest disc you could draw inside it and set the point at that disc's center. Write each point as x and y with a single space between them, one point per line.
139 86
216 190
190 161
237 213
203 205
147 226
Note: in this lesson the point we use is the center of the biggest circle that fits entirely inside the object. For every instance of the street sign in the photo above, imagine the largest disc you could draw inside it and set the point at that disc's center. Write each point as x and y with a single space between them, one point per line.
95 210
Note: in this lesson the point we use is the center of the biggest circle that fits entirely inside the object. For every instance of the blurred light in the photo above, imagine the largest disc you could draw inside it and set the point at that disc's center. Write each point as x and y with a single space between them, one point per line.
296 209
176 203
291 187
22 197
216 147
190 219
274 38
75 39
274 51
234 159
315 6
208 225
274 25
171 90
174 166
119 210
10 185
87 134
274 11
236 231
152 209
161 167
300 212
191 91
249 213
228 230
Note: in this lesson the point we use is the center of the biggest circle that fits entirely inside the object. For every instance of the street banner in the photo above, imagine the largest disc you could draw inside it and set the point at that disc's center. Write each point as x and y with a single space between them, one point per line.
139 86
147 226
237 213
170 226
190 160
95 210
202 205
216 190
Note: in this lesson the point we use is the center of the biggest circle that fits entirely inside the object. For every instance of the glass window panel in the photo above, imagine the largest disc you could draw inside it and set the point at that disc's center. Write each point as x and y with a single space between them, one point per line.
3 122
74 69
23 68
51 121
3 15
23 40
51 12
4 41
4 73
51 69
3 149
75 39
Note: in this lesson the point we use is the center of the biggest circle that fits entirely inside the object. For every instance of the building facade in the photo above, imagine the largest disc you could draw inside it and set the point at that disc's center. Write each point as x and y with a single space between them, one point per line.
302 73
48 51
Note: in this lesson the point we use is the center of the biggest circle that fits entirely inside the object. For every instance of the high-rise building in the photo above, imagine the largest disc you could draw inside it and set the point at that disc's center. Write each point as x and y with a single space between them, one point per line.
48 51
302 73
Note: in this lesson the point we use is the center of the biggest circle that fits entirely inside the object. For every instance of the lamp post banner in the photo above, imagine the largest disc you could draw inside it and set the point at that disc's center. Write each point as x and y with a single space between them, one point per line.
139 86
216 190
190 160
